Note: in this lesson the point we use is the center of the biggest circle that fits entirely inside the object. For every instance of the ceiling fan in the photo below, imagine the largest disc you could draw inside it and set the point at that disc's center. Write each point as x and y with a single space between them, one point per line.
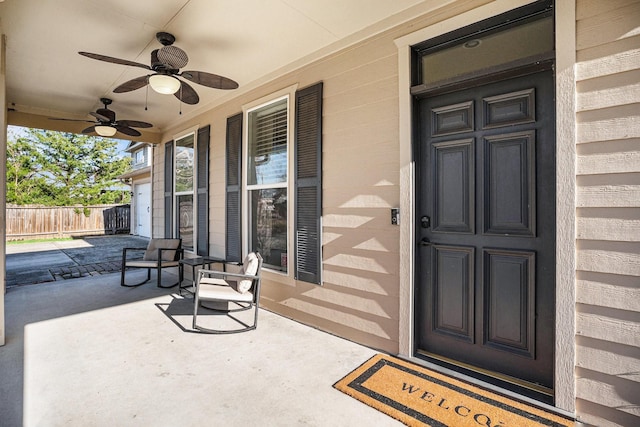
107 125
166 63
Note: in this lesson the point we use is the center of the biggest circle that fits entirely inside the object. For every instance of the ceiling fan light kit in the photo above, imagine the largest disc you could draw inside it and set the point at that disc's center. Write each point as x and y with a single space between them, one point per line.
104 130
164 84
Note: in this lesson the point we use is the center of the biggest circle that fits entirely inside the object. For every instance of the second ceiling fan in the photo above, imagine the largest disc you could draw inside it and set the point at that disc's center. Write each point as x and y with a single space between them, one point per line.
166 63
106 123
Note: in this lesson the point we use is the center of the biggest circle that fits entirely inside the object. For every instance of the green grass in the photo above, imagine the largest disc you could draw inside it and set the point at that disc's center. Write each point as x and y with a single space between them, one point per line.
57 239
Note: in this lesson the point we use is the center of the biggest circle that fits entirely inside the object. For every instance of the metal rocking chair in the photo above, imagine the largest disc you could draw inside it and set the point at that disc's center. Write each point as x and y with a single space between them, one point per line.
241 288
159 254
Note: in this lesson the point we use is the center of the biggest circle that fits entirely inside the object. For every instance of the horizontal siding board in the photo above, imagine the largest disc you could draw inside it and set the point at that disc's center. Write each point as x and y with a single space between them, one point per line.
608 358
589 8
621 122
612 190
352 79
364 219
372 332
614 224
366 114
616 393
613 24
608 91
386 175
608 257
362 197
360 137
352 281
384 242
384 308
356 97
592 414
609 157
612 58
608 290
595 325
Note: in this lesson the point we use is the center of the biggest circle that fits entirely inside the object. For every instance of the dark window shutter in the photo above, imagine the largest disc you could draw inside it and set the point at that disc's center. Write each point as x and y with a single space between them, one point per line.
202 191
168 190
308 183
233 241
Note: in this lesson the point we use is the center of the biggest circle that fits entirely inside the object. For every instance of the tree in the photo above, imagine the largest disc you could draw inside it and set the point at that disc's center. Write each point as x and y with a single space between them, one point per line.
63 169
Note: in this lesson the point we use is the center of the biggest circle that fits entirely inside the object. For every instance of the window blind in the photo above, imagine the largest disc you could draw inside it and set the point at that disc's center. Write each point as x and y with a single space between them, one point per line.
268 145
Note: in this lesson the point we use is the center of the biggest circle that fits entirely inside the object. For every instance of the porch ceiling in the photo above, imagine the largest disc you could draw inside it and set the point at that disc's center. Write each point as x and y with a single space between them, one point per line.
247 41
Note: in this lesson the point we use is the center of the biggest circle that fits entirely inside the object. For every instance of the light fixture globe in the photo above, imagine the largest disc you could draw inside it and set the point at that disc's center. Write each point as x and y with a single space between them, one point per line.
164 84
104 130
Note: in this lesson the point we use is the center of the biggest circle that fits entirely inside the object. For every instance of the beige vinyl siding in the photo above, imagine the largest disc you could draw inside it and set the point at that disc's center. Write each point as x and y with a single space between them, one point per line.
608 212
359 296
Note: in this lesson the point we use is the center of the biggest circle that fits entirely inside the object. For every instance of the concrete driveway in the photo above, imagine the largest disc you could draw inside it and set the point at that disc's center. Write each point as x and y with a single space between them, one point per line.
30 263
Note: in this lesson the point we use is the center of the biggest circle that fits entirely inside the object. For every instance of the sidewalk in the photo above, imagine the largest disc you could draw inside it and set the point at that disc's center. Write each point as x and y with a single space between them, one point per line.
30 263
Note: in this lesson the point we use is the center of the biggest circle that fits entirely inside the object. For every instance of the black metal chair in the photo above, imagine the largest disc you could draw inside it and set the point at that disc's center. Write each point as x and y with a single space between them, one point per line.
241 288
159 254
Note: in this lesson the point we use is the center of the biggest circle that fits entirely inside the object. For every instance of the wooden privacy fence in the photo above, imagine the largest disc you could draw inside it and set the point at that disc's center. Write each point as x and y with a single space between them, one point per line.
37 222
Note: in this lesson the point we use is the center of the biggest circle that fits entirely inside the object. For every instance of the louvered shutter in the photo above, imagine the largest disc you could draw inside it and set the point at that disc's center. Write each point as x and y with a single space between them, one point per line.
308 183
233 240
202 191
168 190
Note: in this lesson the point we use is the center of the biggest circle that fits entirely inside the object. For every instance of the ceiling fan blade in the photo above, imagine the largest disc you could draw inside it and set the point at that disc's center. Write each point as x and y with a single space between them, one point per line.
187 94
114 60
134 124
134 84
210 80
127 130
90 129
72 120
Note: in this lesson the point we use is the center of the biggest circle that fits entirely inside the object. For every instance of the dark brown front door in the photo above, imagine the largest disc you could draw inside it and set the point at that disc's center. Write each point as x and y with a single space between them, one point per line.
485 231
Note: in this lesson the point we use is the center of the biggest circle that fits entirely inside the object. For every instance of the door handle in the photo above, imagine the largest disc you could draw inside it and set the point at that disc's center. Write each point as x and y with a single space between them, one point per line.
425 242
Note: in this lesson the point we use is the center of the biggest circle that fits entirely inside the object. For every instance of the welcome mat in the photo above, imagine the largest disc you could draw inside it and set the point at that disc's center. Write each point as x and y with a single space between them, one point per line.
418 396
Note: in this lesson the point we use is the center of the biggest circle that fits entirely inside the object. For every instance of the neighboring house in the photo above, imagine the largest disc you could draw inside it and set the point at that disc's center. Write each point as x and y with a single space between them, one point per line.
460 189
140 180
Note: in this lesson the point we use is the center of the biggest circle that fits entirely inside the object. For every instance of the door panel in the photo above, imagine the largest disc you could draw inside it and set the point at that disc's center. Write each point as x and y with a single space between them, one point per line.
510 189
454 179
485 288
510 286
453 292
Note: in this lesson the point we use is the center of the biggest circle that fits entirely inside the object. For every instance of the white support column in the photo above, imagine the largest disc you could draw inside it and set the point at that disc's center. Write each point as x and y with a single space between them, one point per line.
565 382
3 179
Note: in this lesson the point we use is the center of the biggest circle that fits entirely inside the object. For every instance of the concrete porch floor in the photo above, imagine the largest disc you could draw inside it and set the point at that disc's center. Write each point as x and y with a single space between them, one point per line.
88 352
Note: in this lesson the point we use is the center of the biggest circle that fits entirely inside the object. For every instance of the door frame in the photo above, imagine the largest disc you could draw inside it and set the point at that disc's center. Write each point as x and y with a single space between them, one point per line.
564 380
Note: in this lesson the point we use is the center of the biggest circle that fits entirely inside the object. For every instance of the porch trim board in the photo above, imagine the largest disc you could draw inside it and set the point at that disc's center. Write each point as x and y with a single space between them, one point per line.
564 380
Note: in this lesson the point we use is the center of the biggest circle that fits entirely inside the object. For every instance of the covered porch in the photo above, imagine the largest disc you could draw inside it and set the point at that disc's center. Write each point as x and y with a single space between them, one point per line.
86 351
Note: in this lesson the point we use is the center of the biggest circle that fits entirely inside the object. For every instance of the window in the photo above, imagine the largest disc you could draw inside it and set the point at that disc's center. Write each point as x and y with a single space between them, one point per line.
183 190
267 182
139 158
277 203
186 190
